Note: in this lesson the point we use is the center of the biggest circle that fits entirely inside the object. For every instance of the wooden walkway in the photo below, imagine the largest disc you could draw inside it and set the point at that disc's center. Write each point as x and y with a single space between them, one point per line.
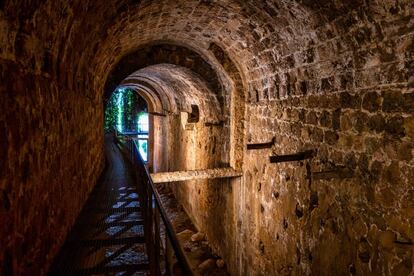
108 237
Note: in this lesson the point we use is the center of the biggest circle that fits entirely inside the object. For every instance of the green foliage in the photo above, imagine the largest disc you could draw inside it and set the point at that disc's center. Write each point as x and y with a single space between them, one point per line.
122 110
111 112
144 147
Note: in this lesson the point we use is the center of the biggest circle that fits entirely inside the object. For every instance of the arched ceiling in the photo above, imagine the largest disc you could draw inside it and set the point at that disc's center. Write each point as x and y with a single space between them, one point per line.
94 40
175 89
181 33
244 29
162 53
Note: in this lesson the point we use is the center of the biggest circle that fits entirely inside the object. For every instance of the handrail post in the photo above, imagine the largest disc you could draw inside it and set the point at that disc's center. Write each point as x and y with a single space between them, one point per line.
150 218
131 150
134 152
167 262
157 240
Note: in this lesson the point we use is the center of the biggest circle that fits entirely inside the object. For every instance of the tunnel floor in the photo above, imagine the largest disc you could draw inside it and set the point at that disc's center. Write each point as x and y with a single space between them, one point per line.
108 236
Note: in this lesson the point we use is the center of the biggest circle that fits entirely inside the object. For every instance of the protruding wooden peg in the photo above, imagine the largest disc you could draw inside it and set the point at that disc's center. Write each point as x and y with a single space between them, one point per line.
293 157
267 145
157 114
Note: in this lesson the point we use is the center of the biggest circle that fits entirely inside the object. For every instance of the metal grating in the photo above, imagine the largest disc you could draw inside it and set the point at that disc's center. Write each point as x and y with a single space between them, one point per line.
108 237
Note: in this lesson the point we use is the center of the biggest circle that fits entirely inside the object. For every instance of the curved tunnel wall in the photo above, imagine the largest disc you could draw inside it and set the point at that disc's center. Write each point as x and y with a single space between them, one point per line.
180 88
315 74
174 92
159 53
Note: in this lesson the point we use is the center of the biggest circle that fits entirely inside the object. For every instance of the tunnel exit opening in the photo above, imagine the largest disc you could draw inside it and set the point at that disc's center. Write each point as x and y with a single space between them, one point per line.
126 113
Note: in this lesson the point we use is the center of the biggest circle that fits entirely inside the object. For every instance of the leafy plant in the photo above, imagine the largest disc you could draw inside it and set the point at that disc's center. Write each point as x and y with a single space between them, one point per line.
122 110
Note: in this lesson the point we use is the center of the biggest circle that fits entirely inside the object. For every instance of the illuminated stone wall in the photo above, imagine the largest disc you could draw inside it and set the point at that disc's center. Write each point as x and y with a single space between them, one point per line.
334 76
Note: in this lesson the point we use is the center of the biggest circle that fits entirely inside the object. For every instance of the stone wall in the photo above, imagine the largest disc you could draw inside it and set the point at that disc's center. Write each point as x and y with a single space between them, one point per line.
46 170
333 76
349 96
192 147
51 145
344 89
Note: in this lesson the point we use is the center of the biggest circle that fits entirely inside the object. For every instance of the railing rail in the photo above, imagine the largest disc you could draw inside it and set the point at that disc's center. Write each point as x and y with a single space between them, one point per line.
153 210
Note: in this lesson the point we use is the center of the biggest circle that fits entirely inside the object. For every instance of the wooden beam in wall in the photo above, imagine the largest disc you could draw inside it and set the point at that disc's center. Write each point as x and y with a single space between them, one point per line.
195 174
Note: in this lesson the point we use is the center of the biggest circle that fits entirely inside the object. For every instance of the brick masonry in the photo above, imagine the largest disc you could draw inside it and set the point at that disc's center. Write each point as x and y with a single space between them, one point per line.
321 75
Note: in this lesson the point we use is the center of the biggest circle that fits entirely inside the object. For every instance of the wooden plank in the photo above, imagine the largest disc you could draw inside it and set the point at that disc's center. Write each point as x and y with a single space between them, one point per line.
157 114
292 157
256 146
195 174
219 123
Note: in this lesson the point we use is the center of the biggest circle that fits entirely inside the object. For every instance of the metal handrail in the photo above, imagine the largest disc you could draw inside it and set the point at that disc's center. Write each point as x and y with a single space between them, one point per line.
136 159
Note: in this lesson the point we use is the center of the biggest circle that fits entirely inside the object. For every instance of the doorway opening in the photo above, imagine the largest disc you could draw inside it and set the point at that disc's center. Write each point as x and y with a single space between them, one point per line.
126 113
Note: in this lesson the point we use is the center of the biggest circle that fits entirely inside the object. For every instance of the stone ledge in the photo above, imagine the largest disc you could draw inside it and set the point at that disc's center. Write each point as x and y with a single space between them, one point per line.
195 174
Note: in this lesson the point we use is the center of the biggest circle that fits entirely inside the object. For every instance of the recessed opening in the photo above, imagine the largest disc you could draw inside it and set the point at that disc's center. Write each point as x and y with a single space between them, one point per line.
194 116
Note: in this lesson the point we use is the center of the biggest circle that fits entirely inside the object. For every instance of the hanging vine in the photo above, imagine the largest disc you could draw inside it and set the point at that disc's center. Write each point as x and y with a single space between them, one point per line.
122 110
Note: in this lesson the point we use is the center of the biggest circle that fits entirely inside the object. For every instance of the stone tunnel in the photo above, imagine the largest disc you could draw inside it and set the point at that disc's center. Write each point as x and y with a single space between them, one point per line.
283 129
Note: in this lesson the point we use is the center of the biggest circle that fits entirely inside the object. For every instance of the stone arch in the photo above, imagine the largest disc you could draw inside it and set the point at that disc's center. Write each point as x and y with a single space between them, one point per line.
175 90
213 66
154 103
158 53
